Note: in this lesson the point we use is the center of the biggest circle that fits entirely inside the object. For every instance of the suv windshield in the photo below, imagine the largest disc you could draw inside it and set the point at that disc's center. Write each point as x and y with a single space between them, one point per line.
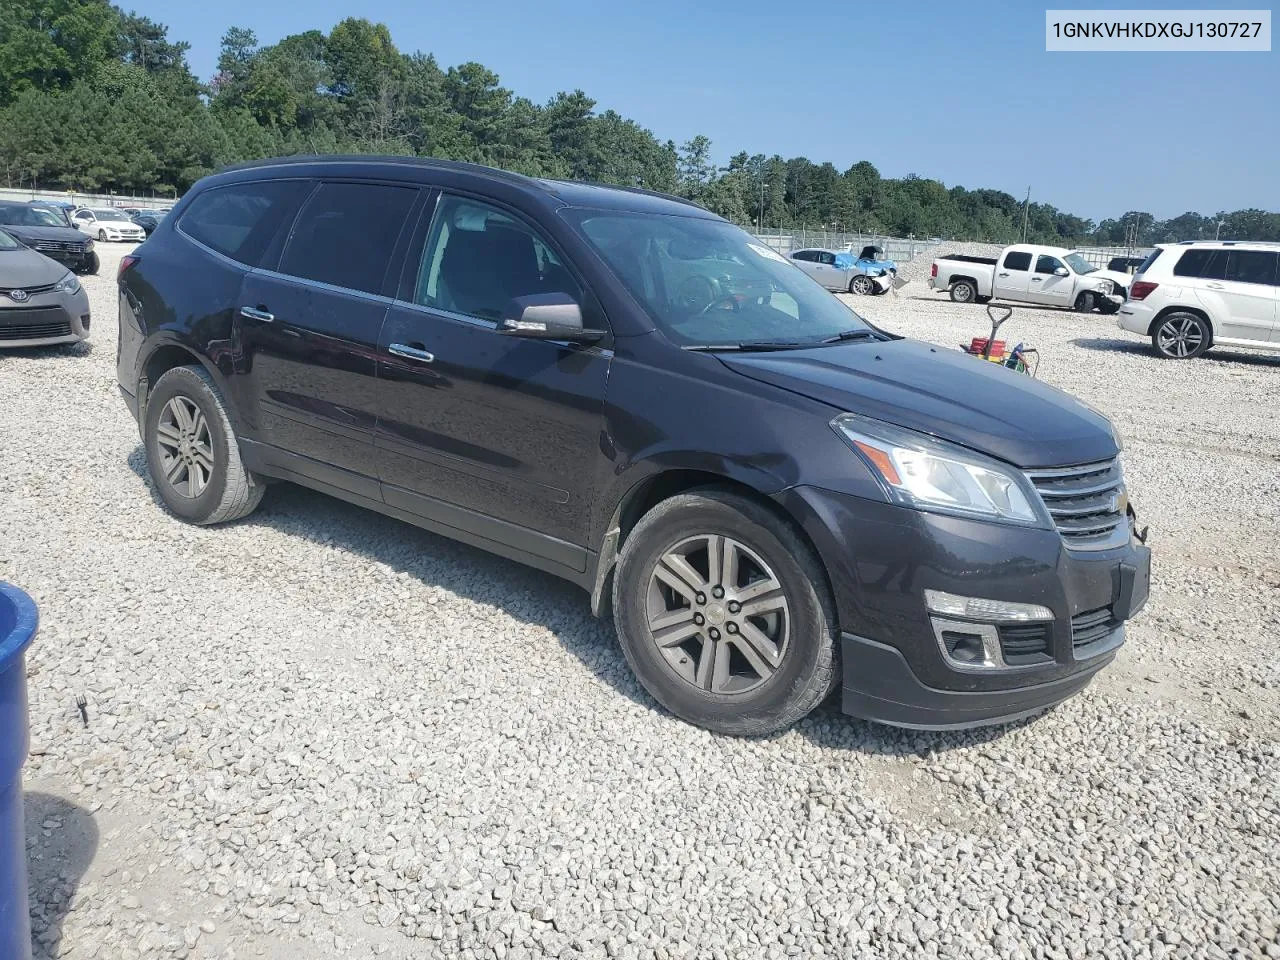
1078 263
706 282
29 217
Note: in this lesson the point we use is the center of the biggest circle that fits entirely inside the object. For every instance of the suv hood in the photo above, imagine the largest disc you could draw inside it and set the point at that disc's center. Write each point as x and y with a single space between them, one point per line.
65 234
945 393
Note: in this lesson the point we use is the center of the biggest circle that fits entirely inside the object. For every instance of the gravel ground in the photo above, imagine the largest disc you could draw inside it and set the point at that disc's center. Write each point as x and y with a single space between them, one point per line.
322 733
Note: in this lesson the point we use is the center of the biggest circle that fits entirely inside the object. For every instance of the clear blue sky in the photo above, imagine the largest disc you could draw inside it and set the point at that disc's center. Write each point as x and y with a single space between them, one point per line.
960 91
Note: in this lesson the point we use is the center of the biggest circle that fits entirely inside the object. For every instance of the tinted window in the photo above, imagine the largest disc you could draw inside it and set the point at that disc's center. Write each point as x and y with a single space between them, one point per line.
807 255
240 220
478 258
1017 261
345 234
1194 262
1252 266
1045 264
829 258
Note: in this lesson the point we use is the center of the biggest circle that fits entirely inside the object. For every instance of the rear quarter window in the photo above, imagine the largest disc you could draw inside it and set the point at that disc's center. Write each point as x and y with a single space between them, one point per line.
1152 257
1199 262
240 220
1017 260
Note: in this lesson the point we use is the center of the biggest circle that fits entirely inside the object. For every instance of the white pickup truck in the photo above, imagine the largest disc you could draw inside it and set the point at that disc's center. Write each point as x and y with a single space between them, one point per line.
1053 276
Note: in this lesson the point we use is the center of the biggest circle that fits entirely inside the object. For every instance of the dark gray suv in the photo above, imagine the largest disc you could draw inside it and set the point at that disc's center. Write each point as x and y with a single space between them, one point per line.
772 497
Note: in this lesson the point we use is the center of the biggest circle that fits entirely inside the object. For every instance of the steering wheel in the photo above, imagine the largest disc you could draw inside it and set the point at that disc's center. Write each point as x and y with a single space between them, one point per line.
723 298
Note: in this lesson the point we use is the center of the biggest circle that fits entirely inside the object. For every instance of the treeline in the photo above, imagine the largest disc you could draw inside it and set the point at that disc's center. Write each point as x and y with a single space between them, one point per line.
99 100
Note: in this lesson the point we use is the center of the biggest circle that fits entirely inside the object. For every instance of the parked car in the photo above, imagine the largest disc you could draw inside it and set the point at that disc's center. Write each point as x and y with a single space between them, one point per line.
1190 296
1125 265
107 223
843 272
148 220
44 232
41 301
1053 276
57 209
772 496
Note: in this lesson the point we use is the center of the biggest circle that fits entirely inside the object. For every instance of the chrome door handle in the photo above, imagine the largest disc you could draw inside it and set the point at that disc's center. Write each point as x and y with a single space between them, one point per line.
253 313
1004 274
1035 279
410 353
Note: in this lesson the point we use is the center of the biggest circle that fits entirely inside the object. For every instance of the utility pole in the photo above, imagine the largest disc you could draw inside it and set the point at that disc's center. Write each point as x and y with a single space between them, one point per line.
1026 213
1217 234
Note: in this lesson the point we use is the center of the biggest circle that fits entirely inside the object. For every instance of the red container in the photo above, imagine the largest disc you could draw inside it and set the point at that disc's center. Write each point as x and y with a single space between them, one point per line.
978 344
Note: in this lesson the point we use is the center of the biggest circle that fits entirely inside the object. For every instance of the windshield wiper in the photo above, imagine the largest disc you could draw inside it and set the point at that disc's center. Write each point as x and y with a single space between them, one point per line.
862 333
745 346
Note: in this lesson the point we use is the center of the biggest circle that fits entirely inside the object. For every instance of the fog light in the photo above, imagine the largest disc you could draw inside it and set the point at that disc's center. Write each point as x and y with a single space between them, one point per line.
984 611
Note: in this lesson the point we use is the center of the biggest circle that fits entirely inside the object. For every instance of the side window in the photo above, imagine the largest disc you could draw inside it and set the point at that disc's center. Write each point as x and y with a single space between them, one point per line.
829 259
346 233
1017 260
477 258
806 255
1046 263
1252 266
240 220
1193 262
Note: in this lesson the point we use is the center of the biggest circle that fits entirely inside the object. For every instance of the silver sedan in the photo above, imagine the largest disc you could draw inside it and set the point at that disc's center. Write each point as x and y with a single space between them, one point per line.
41 301
839 271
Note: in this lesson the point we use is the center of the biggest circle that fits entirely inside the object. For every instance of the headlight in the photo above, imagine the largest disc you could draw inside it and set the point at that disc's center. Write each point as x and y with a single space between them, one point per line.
68 284
918 471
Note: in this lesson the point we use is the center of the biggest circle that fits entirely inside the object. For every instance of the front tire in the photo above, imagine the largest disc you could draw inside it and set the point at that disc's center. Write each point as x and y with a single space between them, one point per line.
723 614
1180 336
192 452
102 236
89 267
1085 302
862 285
964 291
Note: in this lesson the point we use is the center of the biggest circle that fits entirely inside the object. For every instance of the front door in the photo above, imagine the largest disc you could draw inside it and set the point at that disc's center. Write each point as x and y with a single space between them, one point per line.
309 331
495 435
1045 286
1013 275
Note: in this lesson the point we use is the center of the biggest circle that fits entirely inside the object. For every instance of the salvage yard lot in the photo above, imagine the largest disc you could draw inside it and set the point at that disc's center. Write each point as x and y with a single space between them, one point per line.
323 733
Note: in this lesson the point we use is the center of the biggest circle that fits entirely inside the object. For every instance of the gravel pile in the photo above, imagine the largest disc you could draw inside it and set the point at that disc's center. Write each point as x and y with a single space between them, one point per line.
322 733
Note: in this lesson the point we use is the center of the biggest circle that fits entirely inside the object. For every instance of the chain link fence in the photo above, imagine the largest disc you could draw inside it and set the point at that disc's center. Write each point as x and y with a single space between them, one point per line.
895 248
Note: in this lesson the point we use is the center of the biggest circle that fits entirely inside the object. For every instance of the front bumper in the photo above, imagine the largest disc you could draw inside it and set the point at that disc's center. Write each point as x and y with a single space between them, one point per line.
880 559
44 320
74 257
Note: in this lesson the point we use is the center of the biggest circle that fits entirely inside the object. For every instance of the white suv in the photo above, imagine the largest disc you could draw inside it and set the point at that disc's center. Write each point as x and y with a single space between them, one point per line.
1190 296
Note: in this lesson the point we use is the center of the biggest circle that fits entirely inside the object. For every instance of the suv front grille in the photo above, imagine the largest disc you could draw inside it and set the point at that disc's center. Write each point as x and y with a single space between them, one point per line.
1087 502
1026 643
59 246
1095 632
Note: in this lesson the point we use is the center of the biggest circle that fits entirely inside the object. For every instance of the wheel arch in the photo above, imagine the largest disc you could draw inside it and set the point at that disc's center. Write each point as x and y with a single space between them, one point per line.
163 355
644 495
1194 311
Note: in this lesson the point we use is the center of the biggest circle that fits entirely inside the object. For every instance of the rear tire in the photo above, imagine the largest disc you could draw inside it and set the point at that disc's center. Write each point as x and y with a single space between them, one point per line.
745 667
1181 336
1086 302
192 452
964 291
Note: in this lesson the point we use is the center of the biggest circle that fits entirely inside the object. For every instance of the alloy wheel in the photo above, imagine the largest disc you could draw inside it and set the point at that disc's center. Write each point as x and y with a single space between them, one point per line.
718 615
1180 337
186 447
862 285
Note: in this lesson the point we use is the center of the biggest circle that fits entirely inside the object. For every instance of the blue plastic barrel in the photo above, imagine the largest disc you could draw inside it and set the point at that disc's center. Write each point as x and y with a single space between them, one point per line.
18 620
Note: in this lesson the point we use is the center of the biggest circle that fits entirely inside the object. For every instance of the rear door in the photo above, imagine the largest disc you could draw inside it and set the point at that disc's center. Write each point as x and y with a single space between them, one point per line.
1236 287
309 325
1013 275
494 435
807 260
1045 286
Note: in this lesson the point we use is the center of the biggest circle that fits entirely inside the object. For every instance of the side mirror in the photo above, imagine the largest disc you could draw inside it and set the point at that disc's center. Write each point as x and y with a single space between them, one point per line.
1062 272
546 316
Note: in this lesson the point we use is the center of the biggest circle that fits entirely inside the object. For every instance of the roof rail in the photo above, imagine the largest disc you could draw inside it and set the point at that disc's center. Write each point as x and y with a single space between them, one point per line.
432 162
